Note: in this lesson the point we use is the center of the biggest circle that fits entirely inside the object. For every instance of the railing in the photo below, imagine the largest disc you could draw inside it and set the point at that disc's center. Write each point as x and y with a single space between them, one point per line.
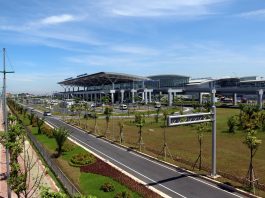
67 184
65 181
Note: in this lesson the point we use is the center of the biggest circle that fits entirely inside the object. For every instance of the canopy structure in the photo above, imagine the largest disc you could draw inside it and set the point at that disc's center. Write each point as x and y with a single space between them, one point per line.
101 78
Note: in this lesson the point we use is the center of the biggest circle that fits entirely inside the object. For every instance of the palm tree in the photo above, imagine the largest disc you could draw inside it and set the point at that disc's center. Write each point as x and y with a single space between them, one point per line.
31 118
108 111
252 143
40 122
60 135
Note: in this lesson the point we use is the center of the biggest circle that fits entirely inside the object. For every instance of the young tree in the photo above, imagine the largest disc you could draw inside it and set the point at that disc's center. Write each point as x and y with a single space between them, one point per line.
121 126
200 132
140 121
164 126
252 143
60 135
108 111
95 116
231 123
86 109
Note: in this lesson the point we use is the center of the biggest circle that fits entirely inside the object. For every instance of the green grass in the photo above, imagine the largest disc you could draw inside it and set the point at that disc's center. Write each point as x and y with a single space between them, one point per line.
91 183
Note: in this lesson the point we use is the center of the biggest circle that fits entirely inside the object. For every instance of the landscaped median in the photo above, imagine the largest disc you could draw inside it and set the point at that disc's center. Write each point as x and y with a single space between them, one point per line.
92 176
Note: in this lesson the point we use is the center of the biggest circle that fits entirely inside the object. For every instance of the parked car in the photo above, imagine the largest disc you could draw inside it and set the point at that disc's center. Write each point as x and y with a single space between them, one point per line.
47 113
123 107
157 104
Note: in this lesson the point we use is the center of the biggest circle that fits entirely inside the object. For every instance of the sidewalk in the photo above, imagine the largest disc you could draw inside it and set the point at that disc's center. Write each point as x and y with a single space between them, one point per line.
37 172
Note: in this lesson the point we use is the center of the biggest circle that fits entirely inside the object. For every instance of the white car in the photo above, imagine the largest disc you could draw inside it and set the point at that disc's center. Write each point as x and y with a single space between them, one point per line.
123 107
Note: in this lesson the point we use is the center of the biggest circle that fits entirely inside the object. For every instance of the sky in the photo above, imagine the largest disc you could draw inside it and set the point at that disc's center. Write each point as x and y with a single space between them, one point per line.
49 41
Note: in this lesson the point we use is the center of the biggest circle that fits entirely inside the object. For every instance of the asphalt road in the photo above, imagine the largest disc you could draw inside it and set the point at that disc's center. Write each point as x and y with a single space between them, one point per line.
173 182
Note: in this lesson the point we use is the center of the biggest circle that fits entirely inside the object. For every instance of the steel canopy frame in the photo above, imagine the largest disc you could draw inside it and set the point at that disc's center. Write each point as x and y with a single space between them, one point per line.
101 78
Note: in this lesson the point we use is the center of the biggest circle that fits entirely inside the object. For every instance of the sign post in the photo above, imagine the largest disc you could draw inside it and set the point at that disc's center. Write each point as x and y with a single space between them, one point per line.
196 118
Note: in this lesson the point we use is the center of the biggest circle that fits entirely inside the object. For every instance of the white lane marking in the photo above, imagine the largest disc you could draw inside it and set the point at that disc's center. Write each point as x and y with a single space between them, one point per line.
126 166
199 180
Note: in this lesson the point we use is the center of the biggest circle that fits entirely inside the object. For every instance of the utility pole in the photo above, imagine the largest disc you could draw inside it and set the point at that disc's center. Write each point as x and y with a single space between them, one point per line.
5 118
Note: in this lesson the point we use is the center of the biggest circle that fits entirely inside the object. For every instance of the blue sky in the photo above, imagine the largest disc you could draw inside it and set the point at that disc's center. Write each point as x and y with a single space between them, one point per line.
48 41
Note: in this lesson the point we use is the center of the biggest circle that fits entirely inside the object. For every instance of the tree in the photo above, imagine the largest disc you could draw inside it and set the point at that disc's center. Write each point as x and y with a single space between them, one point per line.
108 111
165 147
31 117
95 116
200 132
86 108
231 123
121 126
39 122
252 143
140 121
60 134
157 115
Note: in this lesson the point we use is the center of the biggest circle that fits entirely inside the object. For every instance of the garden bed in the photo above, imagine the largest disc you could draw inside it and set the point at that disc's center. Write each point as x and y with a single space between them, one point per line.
102 168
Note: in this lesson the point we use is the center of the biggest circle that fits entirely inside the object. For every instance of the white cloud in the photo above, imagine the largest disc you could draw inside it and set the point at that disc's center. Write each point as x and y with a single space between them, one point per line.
134 50
52 20
254 13
156 8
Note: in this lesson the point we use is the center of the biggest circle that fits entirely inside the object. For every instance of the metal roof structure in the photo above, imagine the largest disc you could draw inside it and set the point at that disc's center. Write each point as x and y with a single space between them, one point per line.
101 78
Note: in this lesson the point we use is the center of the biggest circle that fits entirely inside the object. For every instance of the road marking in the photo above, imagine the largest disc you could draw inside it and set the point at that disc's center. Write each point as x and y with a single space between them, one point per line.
126 166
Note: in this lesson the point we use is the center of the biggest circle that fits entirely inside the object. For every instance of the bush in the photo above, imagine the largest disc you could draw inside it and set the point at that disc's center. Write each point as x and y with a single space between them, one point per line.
107 187
123 194
68 146
231 123
47 131
82 159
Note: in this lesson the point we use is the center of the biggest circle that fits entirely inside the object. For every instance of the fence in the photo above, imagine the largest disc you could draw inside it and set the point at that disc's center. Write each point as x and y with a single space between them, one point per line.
68 185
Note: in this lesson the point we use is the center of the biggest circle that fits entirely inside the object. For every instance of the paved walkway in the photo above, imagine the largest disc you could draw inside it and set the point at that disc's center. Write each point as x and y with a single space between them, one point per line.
37 172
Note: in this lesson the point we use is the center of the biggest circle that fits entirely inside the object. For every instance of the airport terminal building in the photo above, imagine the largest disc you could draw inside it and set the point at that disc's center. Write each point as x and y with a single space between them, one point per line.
129 88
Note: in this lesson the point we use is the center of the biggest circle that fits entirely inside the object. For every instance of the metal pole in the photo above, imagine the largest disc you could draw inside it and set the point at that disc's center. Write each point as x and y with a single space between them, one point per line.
213 174
5 123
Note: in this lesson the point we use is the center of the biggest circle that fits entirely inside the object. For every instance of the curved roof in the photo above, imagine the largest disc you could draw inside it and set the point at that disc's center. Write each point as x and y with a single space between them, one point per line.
168 76
101 78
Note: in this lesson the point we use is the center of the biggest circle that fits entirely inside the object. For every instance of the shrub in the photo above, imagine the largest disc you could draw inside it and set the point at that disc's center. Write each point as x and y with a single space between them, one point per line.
82 159
123 194
231 123
107 187
68 146
47 131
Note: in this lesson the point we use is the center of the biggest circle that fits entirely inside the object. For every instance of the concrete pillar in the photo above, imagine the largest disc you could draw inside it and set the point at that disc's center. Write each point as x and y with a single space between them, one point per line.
64 89
95 97
150 96
122 96
142 96
200 97
169 97
235 99
112 96
145 96
73 89
260 98
77 88
133 90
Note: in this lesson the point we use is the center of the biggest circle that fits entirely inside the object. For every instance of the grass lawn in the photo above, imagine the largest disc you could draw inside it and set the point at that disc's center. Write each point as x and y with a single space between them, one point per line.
232 154
91 183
